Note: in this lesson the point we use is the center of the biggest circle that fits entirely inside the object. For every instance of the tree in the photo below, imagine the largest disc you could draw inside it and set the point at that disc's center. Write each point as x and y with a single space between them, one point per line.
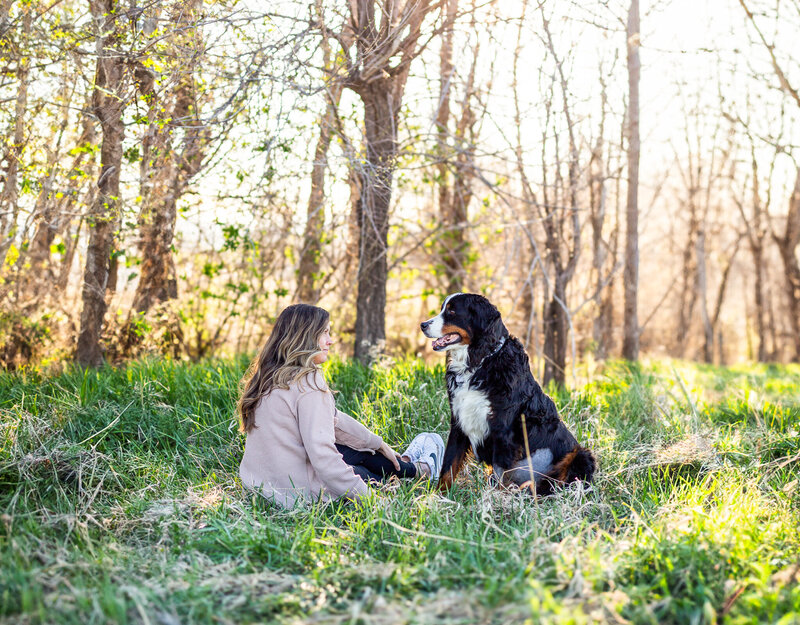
553 204
604 250
788 243
754 211
108 103
9 194
455 155
560 220
308 270
790 240
43 276
702 165
385 39
167 168
630 342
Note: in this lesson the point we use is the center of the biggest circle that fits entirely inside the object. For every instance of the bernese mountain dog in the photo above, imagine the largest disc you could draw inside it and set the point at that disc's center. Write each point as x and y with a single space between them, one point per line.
495 402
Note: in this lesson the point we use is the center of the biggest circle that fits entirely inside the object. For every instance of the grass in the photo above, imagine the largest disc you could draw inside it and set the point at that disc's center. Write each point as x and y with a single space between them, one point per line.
119 503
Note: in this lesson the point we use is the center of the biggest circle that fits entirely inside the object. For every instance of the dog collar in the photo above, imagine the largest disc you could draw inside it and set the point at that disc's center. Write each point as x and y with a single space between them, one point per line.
496 349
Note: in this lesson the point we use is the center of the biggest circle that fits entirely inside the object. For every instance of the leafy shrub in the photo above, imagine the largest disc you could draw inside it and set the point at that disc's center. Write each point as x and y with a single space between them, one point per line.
22 339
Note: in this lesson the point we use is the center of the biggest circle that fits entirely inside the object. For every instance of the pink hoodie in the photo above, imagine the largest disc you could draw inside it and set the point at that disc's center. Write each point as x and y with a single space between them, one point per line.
290 454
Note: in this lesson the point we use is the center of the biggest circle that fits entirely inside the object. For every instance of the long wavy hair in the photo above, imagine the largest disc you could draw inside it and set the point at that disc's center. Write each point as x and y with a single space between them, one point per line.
286 357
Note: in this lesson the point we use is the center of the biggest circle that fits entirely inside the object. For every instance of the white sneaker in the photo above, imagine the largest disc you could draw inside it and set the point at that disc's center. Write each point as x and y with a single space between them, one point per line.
432 453
414 451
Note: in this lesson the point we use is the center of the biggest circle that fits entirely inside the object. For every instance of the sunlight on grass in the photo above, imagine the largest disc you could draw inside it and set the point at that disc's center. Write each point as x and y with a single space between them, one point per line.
119 497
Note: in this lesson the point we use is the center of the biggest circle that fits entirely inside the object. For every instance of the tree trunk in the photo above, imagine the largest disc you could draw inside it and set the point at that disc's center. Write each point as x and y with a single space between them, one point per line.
104 214
9 207
308 271
530 257
456 256
607 304
756 233
787 244
165 172
702 297
353 230
528 304
761 329
453 200
597 203
721 298
557 320
54 216
630 343
386 38
604 322
62 280
772 330
380 117
157 173
555 336
688 297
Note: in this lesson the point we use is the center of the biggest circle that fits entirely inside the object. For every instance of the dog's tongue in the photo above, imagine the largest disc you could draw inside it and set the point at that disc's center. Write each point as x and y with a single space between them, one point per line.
446 340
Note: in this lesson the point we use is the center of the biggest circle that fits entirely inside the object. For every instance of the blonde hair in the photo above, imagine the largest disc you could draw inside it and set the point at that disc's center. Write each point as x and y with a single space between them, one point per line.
287 356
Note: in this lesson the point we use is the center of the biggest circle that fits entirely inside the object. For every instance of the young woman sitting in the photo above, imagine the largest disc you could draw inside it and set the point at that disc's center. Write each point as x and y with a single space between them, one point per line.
299 447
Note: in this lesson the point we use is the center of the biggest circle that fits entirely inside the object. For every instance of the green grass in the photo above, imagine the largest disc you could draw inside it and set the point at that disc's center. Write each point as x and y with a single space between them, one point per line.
120 503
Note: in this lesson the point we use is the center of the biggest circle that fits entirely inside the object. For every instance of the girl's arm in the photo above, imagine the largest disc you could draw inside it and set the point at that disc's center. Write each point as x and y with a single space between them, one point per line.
347 430
355 434
316 422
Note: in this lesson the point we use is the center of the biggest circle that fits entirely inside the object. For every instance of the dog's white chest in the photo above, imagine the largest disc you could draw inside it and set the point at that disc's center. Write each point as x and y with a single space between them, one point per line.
471 407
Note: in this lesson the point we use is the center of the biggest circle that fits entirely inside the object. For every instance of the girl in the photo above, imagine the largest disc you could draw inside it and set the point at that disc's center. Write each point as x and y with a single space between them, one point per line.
299 446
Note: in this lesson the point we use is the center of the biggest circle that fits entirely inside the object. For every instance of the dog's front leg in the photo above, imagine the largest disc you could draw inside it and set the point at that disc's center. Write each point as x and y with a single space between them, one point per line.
503 454
455 453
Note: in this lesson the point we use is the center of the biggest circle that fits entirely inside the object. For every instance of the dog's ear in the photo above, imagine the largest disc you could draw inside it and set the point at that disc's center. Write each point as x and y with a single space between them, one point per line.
488 333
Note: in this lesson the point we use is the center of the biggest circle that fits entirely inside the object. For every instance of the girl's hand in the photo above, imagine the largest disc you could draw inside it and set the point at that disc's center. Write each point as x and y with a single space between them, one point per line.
390 453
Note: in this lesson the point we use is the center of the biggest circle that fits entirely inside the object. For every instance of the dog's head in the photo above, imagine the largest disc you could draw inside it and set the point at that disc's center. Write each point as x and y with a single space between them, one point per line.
466 321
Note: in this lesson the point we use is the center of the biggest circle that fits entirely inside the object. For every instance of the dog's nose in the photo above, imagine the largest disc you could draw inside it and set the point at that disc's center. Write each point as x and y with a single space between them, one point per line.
424 325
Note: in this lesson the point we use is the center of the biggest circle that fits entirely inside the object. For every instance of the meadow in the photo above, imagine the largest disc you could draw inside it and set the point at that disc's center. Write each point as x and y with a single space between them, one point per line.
120 503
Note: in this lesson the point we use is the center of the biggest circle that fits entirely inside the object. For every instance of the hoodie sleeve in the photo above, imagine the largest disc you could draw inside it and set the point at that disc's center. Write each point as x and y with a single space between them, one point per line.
355 434
315 418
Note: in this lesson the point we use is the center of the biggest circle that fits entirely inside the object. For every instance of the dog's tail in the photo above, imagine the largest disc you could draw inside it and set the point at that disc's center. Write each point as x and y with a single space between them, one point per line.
582 466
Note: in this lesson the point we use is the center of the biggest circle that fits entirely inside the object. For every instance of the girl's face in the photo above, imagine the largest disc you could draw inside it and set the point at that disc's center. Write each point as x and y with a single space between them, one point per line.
325 342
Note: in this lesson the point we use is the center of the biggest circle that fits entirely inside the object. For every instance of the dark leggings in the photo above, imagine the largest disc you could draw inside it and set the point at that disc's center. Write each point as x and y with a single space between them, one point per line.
374 467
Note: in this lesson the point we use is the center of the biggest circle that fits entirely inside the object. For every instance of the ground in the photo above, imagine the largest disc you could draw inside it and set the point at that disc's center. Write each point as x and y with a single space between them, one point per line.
120 504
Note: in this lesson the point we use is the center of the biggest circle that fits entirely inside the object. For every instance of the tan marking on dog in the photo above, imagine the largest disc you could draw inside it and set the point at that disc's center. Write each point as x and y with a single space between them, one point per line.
561 467
447 478
449 328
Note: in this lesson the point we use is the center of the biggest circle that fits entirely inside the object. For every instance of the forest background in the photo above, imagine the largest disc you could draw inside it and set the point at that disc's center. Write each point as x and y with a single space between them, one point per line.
619 180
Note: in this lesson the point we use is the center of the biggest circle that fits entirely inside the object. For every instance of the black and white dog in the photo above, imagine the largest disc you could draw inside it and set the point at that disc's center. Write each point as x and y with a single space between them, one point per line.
491 391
